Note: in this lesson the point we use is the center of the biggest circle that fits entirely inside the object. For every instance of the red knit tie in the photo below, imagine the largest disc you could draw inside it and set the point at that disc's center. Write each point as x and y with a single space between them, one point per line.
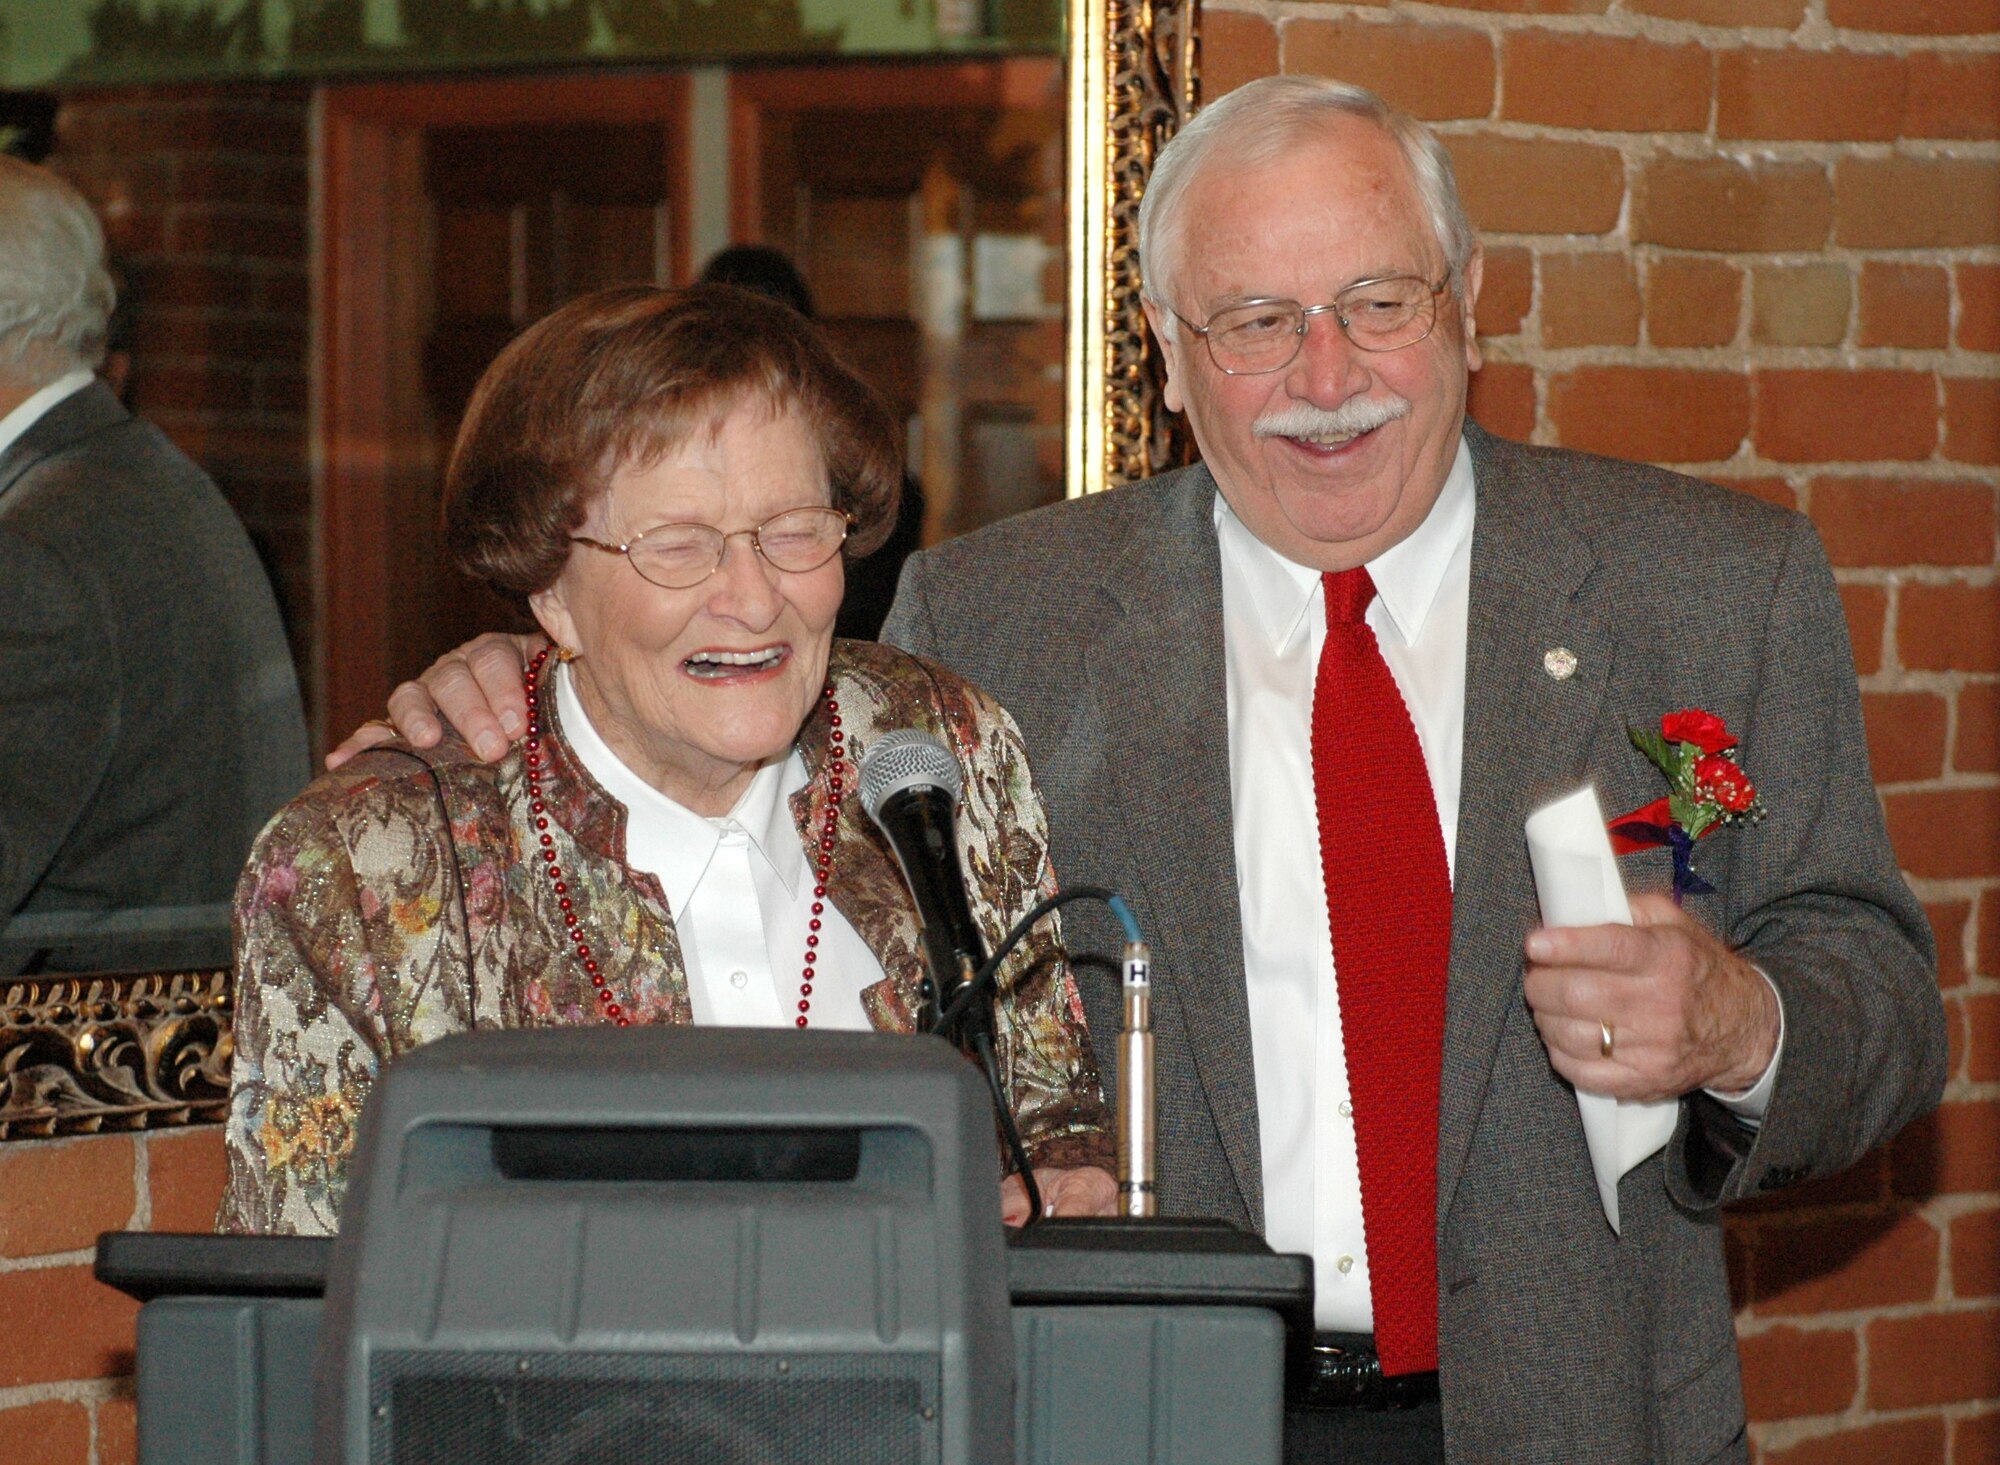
1388 896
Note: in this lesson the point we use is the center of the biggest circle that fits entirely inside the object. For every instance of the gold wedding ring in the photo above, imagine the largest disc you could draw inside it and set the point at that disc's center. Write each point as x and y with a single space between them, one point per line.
1605 1038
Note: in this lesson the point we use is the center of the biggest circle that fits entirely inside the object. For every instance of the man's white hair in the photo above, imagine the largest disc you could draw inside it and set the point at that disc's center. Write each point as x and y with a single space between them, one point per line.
55 293
1257 124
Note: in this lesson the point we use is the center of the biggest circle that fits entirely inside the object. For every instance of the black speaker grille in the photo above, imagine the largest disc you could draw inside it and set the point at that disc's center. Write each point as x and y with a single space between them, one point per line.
676 1409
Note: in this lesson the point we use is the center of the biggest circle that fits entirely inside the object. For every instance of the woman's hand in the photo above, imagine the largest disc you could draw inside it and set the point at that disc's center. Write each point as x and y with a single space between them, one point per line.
478 688
1086 1191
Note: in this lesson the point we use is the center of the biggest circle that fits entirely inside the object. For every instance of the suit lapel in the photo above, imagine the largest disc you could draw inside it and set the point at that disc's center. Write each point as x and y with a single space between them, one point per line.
1158 676
1528 735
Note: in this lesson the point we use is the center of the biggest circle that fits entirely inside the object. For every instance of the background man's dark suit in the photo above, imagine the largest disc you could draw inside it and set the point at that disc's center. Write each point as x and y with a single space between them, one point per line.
148 704
1098 624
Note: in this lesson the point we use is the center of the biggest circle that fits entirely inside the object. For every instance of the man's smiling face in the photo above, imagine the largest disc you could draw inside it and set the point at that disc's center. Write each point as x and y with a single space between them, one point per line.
1341 454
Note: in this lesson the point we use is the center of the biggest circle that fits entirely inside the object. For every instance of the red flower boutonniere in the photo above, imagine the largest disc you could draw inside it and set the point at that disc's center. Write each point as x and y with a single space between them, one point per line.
1697 753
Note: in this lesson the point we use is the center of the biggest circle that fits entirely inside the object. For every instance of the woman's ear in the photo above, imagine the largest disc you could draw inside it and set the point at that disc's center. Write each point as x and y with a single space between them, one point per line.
552 612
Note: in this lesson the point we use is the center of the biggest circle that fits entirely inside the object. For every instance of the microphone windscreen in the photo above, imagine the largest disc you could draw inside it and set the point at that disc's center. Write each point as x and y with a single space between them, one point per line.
902 760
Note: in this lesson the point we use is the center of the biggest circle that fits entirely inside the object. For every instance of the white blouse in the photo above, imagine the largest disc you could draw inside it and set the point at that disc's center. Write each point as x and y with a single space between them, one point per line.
739 890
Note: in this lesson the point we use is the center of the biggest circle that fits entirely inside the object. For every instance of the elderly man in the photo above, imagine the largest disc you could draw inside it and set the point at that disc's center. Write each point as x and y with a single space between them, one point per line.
1296 704
150 714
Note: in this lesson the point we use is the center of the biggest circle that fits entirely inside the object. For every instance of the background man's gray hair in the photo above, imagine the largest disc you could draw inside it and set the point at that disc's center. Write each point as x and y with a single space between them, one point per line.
1258 124
55 293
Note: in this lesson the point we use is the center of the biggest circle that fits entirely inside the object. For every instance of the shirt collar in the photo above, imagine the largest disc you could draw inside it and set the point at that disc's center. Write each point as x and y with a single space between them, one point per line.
670 840
16 423
1276 593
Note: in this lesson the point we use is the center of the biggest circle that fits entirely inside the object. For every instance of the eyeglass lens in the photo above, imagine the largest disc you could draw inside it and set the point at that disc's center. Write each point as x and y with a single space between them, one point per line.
677 556
1377 315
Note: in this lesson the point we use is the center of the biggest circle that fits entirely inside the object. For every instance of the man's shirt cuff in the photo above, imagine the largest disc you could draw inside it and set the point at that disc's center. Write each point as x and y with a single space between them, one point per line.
1749 1106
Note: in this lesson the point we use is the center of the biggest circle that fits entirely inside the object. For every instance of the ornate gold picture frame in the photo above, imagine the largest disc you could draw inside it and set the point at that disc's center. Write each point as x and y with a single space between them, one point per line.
1134 79
121 1051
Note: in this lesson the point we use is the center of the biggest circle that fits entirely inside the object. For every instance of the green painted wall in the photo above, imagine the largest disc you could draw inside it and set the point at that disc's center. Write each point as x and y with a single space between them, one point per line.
52 42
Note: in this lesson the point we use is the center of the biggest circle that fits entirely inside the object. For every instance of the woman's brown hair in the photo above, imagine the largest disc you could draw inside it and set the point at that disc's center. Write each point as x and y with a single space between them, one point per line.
617 378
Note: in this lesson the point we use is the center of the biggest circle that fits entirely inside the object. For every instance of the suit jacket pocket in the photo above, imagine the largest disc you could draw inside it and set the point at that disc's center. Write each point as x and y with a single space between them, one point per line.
1702 1418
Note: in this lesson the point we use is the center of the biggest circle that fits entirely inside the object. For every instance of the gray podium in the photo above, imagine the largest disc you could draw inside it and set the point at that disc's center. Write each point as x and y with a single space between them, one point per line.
665 1246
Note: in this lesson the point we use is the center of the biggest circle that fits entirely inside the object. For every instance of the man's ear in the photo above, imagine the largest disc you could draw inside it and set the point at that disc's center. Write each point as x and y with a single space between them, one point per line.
1469 281
1170 353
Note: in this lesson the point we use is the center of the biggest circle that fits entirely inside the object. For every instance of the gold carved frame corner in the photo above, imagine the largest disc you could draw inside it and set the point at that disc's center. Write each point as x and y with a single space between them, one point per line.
114 1051
1134 79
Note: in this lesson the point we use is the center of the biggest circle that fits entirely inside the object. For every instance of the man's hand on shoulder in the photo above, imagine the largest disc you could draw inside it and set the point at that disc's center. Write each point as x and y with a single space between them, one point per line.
1678 1010
478 688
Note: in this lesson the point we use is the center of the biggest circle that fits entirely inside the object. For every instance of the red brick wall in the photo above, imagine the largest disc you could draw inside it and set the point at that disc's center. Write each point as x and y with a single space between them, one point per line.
65 1341
1756 239
204 199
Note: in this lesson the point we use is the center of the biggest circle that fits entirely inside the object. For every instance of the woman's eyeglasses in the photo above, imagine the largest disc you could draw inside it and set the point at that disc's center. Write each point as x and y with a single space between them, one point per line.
681 556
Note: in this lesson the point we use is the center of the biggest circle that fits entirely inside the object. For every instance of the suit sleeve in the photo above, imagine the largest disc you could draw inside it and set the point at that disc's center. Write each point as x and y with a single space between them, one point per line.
58 712
1818 903
908 625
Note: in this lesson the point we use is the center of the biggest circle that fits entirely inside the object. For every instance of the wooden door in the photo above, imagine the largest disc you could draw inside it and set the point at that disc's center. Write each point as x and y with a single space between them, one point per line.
913 197
457 213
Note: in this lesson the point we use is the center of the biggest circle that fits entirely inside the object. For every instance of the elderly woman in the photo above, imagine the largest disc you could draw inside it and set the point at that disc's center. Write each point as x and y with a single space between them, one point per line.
668 479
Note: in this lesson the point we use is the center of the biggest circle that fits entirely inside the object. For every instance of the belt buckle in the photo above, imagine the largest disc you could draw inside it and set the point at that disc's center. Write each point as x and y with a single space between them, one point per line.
1348 1375
1340 1376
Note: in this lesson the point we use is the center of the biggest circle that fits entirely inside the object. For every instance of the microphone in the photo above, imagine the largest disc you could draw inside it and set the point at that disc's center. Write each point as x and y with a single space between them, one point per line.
910 786
1136 1120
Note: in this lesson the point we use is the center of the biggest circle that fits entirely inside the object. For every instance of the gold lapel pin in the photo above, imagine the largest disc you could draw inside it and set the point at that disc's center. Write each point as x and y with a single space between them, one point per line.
1559 663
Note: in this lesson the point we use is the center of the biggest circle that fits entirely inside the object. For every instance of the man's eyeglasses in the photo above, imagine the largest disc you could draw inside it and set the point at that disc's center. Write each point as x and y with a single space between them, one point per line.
1265 335
681 556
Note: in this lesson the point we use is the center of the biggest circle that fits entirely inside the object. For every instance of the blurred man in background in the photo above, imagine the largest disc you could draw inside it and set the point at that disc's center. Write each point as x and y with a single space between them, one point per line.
148 703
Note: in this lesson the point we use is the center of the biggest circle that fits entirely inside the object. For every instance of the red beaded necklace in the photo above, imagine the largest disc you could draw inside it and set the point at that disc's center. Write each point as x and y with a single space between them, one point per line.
836 765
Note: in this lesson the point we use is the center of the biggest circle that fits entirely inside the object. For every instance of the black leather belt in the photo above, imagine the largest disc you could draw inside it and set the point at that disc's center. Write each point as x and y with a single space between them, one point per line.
1343 1371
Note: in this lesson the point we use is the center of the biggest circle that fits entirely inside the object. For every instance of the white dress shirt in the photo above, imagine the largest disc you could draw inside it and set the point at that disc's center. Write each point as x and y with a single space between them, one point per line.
739 890
37 405
1274 624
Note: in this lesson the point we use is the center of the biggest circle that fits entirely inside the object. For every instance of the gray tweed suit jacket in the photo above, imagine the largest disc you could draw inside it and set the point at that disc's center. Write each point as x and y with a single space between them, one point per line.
1098 624
148 704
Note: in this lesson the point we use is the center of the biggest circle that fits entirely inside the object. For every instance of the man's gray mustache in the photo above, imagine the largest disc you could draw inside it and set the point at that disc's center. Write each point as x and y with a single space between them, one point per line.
1349 419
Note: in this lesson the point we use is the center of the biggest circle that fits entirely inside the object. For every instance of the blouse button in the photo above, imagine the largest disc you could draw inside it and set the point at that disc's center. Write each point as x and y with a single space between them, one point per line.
739 980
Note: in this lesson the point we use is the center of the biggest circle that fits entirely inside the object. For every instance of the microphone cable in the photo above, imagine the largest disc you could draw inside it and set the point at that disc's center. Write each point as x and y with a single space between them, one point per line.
985 982
986 978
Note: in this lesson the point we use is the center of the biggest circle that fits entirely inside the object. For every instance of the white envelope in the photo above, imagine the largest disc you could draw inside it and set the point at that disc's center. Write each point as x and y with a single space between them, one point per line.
1576 879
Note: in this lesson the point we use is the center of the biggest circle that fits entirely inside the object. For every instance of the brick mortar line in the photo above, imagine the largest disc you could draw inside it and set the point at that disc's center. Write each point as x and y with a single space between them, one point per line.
141 1218
1943 471
1856 1320
1937 361
1812 34
1979 577
260 265
1780 1434
79 1391
113 165
1650 252
48 1261
1936 1209
1926 679
1933 889
1682 146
